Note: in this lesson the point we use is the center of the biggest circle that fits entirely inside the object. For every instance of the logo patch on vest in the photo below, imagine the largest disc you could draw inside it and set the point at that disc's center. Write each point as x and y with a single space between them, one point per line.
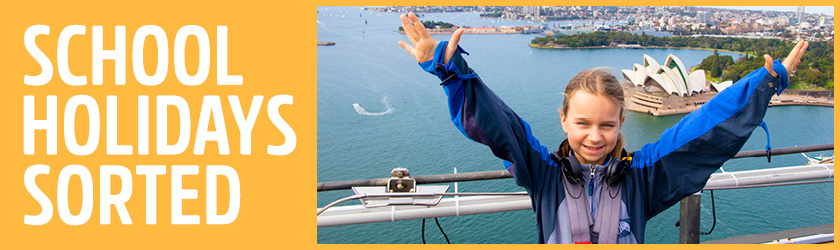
624 228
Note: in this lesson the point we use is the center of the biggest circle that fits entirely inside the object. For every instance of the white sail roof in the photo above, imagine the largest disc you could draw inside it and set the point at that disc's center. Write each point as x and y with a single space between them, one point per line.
673 79
721 86
677 66
698 80
673 76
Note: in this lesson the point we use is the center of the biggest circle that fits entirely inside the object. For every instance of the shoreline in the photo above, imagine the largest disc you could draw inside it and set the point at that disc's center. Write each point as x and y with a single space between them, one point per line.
467 31
669 112
641 47
776 101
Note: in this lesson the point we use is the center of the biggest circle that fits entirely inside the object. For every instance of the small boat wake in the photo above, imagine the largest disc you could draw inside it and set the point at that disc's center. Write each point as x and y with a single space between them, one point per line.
362 111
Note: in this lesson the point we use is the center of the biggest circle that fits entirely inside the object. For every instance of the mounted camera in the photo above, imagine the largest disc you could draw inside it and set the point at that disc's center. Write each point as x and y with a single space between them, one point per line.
401 181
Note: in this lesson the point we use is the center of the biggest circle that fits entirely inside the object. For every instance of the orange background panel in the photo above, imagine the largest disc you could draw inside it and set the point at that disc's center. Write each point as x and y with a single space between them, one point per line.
271 44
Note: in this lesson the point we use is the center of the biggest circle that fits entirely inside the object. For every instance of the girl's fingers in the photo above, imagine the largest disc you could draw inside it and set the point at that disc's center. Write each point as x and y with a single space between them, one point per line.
456 37
796 54
802 51
418 26
768 64
452 46
793 57
795 51
407 48
410 32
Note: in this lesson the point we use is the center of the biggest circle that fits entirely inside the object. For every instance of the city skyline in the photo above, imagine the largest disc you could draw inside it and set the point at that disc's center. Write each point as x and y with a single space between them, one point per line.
808 9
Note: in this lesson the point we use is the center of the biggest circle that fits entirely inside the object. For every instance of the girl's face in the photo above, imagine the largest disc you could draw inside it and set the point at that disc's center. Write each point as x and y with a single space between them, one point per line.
592 124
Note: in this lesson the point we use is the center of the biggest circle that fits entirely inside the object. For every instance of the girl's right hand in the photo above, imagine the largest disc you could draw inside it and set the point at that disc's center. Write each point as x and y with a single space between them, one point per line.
424 45
790 62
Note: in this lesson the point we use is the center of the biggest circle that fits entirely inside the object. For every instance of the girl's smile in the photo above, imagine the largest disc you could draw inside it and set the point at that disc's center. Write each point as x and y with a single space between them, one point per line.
592 124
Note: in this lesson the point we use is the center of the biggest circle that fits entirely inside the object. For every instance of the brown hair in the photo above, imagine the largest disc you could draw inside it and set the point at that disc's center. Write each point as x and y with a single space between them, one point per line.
598 82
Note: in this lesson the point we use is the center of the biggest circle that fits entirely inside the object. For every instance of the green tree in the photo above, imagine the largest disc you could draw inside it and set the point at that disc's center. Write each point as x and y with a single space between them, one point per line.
715 69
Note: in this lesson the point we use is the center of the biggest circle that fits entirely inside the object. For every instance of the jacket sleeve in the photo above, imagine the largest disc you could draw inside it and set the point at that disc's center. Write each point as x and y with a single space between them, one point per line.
680 163
481 116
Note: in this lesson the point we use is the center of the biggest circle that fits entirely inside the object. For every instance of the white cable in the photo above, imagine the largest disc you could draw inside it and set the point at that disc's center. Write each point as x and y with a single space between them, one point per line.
734 178
393 208
830 173
457 204
730 174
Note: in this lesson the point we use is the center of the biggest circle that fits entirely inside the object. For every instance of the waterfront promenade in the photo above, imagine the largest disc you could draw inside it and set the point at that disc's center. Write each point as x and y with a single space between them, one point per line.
627 46
788 98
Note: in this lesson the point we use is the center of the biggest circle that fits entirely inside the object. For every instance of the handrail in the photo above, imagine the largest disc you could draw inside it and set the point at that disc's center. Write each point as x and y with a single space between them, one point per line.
503 174
479 203
785 151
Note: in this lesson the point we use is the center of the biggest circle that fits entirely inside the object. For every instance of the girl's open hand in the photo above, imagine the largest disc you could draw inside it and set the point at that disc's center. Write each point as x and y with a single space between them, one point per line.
790 62
424 45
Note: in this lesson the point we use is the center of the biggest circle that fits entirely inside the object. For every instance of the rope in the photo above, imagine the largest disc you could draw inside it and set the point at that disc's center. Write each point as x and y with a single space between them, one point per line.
362 196
830 172
457 202
393 209
441 231
423 231
354 197
730 174
714 217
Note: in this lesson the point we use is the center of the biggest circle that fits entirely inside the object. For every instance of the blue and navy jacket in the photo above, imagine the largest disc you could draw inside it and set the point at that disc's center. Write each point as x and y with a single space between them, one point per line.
660 174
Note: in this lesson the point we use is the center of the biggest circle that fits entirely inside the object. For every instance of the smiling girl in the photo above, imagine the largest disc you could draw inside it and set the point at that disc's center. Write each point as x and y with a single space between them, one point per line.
591 190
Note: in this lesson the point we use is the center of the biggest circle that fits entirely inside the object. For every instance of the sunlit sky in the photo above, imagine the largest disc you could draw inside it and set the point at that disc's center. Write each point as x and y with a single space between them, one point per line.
808 9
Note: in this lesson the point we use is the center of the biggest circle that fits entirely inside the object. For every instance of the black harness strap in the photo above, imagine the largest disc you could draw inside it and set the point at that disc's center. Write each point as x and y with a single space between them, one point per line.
608 213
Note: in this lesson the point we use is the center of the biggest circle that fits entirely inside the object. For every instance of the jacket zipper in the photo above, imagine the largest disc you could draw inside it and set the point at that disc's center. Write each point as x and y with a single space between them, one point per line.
591 179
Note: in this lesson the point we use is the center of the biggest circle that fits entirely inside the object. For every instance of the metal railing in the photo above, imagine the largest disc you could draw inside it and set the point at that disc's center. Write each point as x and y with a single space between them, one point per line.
478 203
689 222
502 174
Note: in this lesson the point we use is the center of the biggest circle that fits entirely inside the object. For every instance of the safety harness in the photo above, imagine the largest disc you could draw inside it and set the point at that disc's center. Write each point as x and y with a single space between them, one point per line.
604 228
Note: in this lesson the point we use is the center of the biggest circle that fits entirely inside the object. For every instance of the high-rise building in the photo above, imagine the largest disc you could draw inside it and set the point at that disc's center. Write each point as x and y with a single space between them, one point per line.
783 20
534 11
704 17
800 10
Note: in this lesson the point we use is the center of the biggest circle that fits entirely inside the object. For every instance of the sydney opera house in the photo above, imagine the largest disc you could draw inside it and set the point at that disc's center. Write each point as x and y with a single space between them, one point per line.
669 88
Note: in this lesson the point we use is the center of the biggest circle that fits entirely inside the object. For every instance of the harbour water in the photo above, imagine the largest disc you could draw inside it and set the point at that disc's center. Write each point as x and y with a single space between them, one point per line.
378 110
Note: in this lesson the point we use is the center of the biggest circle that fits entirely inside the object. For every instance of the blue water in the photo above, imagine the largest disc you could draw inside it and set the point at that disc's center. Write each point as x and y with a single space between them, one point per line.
406 124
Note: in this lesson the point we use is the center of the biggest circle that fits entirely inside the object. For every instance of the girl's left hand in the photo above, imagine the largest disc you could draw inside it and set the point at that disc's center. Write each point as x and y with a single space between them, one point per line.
790 62
424 45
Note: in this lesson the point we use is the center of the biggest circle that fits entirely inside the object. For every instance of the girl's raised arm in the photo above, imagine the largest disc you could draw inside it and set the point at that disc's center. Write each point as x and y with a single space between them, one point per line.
686 155
475 110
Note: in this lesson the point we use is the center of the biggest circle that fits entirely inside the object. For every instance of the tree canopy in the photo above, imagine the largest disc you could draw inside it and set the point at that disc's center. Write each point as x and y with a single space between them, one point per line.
817 67
433 24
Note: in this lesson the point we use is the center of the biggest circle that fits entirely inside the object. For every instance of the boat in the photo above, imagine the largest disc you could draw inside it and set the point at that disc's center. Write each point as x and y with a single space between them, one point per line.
818 160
